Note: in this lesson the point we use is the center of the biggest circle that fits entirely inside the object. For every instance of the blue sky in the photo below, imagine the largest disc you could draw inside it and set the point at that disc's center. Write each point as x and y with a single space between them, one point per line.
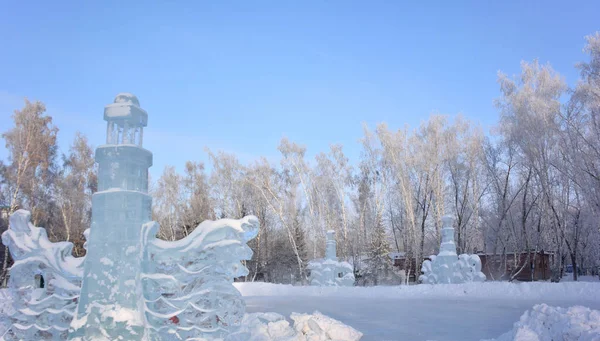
240 75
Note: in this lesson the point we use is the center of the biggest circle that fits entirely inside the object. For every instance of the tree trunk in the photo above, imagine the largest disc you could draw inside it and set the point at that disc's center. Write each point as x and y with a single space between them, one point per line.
5 267
574 263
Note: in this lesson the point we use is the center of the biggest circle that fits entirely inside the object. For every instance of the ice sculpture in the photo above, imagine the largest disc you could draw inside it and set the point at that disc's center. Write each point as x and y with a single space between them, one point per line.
187 284
44 282
130 285
329 271
447 266
136 287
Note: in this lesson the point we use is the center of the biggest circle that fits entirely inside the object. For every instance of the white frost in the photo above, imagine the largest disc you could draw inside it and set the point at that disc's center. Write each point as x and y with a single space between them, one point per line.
106 261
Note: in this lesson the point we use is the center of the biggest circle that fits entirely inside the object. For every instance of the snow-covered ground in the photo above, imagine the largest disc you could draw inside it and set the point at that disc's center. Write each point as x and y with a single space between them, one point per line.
473 311
569 278
466 312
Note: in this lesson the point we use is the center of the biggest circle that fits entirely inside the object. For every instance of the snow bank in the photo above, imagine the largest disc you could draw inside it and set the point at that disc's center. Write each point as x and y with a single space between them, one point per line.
487 290
307 327
320 327
544 322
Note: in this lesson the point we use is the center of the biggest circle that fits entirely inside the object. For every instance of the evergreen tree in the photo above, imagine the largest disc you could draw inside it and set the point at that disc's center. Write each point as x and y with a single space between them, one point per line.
300 240
379 249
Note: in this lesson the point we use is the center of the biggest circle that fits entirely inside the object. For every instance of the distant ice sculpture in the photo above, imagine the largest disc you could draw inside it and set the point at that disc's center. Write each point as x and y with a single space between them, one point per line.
329 271
447 266
44 282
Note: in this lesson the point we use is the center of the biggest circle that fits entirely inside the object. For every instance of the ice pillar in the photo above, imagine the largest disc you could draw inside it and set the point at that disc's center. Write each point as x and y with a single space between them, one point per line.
330 251
447 248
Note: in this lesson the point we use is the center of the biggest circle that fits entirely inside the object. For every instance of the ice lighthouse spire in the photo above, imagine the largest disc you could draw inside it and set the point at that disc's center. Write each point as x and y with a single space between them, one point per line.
109 305
123 163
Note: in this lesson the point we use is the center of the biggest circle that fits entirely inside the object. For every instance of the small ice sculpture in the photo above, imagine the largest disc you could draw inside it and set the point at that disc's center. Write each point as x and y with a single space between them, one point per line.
44 282
328 271
447 266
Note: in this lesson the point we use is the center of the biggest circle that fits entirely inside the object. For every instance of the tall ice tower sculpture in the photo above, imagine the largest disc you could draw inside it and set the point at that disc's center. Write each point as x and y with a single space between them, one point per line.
110 306
448 267
329 271
330 246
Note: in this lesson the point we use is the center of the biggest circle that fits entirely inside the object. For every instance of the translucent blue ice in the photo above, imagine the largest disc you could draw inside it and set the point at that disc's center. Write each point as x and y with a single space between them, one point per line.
131 285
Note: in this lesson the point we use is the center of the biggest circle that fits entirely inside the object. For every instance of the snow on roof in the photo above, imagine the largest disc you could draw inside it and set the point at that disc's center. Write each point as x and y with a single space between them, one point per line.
126 106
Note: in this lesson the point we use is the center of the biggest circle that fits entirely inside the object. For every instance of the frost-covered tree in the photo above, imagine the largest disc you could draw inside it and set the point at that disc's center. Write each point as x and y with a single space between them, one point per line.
279 193
226 184
463 146
29 173
167 204
196 204
530 111
370 203
379 261
333 182
74 188
300 241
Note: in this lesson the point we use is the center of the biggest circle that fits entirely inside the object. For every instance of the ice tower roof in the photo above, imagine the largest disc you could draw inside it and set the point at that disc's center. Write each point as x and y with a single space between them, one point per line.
126 106
126 97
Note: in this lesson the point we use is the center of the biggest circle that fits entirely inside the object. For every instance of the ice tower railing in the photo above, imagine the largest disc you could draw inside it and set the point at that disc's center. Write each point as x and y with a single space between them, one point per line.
125 120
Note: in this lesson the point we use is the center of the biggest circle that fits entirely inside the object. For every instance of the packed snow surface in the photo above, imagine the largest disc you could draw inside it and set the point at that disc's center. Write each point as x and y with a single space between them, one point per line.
568 291
474 311
471 311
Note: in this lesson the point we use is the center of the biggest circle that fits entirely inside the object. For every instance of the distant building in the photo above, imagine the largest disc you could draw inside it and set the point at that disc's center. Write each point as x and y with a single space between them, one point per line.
400 264
528 266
